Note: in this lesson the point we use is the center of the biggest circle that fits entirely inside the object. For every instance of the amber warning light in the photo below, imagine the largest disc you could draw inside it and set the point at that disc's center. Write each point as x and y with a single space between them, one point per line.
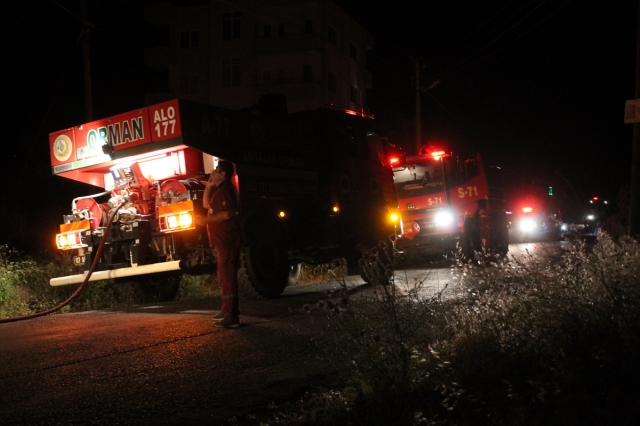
527 209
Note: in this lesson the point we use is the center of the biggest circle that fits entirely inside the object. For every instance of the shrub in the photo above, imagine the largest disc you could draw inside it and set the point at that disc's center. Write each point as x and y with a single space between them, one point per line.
549 339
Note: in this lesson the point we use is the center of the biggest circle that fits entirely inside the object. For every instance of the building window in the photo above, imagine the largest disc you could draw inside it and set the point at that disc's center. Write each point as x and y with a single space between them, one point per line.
189 39
231 25
231 72
353 95
280 30
353 52
184 84
332 36
332 82
194 84
266 31
307 74
189 84
308 26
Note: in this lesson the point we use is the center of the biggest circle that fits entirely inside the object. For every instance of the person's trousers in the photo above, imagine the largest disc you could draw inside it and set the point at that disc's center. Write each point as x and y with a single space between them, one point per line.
228 259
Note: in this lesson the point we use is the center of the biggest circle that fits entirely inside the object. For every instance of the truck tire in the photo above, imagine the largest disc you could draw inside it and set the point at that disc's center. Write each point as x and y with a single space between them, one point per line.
254 281
265 270
157 287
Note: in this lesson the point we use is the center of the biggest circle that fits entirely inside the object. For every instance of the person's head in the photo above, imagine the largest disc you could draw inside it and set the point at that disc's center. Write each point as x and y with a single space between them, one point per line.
226 167
224 171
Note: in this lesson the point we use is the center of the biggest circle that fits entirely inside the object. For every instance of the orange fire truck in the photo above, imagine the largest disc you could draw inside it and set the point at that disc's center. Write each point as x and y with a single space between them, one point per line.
313 186
446 201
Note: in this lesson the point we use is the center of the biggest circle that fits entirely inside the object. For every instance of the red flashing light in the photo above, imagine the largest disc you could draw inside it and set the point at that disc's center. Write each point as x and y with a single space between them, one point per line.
394 160
595 198
527 209
437 154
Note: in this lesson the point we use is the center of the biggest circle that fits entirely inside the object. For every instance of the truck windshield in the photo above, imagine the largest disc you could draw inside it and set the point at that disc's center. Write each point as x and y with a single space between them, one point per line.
420 178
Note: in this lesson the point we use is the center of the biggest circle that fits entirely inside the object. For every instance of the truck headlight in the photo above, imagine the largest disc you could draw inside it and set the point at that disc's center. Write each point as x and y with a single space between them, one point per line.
69 240
444 218
176 217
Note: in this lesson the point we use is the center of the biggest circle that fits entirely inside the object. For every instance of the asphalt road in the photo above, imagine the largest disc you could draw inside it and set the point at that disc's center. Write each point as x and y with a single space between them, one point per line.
162 364
166 365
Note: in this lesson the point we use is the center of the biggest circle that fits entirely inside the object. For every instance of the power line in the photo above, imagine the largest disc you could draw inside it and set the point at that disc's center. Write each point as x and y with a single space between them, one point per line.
459 67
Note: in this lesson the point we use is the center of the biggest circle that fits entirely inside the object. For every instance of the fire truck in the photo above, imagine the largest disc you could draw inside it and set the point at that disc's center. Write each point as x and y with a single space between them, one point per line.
313 186
447 202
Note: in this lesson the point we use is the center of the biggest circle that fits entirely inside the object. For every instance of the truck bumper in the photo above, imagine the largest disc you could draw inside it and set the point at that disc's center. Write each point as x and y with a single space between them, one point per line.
430 244
117 273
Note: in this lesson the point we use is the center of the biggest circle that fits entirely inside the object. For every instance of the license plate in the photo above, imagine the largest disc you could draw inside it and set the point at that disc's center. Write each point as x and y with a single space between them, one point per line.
78 260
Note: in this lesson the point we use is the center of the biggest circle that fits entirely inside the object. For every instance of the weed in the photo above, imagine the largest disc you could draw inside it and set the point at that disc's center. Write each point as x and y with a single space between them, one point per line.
549 339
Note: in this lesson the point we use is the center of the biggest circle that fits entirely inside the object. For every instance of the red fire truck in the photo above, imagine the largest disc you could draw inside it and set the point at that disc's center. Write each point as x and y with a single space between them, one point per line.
314 186
446 201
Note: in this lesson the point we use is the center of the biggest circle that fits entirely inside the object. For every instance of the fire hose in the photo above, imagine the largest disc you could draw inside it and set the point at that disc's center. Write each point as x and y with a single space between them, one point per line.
76 293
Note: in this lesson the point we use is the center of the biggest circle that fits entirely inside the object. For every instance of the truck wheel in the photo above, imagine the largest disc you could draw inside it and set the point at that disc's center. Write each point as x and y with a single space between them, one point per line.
264 269
157 288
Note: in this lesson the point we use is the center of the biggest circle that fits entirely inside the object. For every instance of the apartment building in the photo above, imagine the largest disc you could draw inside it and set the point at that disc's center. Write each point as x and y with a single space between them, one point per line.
228 53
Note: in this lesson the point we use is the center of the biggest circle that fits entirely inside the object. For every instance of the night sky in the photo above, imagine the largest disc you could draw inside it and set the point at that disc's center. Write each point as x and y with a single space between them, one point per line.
538 87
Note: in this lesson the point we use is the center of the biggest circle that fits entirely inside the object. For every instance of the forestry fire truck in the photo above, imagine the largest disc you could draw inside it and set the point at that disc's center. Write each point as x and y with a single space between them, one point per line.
313 186
446 201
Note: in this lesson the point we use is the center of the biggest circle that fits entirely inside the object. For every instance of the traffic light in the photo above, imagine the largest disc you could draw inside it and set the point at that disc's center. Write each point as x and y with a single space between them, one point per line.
551 190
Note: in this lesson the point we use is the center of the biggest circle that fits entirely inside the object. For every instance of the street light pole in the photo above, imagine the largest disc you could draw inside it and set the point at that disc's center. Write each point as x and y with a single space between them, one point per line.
418 112
634 202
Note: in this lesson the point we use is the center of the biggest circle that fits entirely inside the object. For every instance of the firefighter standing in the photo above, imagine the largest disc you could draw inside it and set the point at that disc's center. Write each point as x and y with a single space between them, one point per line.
225 236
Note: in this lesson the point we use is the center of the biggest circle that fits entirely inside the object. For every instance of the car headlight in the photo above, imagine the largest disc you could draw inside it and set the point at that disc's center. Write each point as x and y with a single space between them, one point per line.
527 225
444 218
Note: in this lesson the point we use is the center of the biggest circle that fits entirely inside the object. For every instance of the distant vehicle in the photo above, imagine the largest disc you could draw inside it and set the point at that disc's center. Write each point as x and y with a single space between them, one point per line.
446 201
531 220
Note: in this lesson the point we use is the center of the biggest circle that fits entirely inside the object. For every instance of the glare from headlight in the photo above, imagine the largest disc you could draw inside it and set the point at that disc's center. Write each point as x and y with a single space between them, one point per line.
590 217
444 218
564 227
527 225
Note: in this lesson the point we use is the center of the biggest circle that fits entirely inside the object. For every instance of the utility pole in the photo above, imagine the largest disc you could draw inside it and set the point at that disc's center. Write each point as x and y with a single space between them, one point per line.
418 112
88 98
634 202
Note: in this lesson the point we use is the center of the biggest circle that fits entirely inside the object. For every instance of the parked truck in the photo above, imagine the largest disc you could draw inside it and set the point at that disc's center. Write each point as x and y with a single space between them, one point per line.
313 186
448 203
